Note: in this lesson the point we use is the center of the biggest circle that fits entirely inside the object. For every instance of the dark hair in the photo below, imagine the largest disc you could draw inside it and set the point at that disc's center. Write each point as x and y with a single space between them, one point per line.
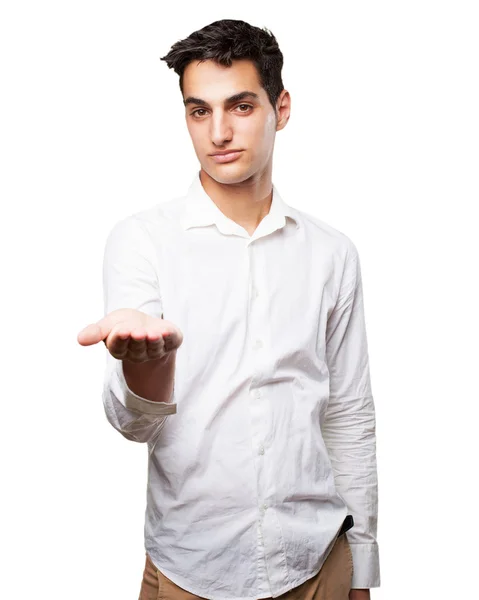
228 40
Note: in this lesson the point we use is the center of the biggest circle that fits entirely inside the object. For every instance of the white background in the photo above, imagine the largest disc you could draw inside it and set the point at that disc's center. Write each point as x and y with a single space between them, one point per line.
383 144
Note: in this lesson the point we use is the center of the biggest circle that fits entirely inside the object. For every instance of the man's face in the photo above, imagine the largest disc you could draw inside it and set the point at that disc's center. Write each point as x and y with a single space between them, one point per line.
216 122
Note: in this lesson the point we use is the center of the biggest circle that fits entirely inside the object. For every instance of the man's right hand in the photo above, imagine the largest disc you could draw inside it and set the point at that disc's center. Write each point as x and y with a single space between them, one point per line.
132 335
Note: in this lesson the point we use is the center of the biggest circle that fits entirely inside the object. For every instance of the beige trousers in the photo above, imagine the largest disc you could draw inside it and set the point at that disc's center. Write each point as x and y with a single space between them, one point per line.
333 581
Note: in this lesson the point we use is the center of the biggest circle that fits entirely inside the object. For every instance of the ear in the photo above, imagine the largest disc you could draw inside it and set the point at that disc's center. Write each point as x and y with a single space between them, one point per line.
283 109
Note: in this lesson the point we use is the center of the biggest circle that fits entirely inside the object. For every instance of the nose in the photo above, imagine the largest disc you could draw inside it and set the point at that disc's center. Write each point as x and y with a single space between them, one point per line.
221 130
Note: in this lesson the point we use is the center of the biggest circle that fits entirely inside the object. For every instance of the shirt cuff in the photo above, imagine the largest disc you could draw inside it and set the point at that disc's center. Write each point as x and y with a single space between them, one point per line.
136 403
366 571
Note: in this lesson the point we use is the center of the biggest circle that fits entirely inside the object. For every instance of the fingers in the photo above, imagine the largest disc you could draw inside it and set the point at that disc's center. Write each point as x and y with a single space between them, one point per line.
132 335
144 346
118 341
136 345
97 332
155 345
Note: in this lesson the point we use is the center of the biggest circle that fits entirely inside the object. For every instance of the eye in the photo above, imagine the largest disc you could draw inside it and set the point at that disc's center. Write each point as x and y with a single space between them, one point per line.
246 105
198 110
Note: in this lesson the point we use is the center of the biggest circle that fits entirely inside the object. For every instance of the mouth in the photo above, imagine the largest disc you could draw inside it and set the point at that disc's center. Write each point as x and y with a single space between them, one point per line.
226 158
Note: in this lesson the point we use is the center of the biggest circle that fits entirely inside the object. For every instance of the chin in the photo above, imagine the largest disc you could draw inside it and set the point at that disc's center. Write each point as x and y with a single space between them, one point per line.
228 174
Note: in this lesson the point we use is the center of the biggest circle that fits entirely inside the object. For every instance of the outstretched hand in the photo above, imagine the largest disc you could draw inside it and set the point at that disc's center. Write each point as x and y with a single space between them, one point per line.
132 335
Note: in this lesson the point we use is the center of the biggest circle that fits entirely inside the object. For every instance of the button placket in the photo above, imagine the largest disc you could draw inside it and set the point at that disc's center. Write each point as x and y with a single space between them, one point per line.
258 337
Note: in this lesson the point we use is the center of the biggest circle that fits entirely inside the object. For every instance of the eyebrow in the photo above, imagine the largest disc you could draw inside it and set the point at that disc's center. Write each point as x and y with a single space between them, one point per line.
230 100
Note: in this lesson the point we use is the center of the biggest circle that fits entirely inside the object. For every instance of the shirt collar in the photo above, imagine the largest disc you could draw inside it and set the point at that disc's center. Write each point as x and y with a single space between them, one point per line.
200 210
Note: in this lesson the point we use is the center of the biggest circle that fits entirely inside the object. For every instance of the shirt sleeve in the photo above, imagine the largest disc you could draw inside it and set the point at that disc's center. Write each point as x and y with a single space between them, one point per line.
349 427
130 280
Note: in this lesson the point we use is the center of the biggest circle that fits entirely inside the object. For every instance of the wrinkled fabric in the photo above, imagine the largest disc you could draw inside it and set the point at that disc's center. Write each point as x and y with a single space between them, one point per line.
268 440
332 582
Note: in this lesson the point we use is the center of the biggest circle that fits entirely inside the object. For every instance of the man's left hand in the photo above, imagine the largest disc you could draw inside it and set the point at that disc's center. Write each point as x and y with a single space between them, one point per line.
359 594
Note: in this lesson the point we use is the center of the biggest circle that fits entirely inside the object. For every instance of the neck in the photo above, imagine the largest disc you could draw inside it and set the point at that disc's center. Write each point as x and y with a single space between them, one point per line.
246 202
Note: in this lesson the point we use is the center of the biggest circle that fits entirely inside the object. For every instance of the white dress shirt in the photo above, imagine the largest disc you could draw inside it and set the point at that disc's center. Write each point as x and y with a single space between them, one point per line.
268 442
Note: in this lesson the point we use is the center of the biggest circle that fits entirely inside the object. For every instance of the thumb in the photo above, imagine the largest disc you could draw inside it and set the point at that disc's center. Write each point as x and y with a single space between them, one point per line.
93 333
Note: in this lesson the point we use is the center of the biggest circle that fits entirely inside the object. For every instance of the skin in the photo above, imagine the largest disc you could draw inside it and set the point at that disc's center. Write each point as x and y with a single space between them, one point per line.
242 189
359 594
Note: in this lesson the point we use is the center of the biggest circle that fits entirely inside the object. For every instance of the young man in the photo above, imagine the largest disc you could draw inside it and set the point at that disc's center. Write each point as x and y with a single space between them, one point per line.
237 352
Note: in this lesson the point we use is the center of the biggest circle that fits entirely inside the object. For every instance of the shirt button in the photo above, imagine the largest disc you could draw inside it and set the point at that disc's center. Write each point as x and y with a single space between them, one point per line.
265 506
258 344
257 394
261 449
